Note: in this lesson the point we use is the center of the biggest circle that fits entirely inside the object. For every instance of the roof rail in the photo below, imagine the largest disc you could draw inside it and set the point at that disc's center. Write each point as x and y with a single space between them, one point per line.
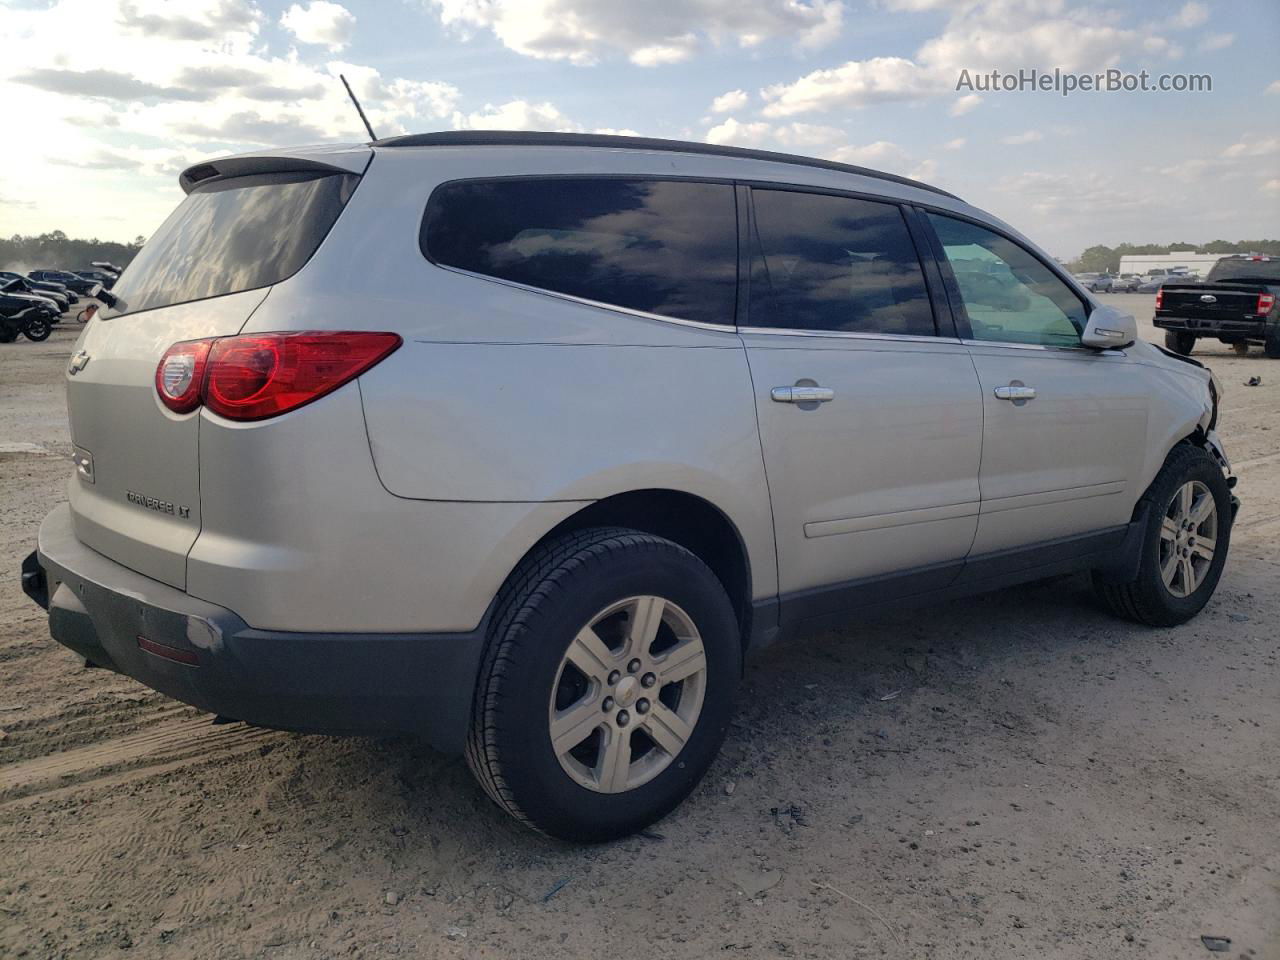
527 138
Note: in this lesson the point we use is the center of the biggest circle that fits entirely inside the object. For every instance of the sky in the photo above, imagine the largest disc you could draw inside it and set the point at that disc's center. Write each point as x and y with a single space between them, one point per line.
116 97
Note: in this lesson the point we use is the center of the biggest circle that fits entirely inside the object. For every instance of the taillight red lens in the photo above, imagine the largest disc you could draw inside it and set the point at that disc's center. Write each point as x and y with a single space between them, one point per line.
180 374
1265 302
262 375
1159 297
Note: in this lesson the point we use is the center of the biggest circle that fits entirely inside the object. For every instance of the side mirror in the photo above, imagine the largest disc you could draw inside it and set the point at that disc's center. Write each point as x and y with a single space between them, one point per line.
1109 328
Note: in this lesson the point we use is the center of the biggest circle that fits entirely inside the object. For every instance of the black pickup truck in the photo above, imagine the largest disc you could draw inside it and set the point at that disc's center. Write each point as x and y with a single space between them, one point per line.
1236 304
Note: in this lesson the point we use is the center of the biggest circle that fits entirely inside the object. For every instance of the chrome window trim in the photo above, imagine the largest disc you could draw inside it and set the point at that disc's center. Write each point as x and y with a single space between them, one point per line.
615 308
847 335
1080 351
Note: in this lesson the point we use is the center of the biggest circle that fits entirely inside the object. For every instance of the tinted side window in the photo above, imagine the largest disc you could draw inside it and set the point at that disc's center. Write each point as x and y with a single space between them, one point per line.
662 246
835 263
1009 294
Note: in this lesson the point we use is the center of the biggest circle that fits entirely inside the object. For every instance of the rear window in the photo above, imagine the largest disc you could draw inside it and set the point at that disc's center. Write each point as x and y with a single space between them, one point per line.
1265 270
234 235
667 247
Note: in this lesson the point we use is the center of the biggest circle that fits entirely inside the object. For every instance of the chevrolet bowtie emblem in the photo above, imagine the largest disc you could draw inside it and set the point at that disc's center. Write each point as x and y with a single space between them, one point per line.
78 363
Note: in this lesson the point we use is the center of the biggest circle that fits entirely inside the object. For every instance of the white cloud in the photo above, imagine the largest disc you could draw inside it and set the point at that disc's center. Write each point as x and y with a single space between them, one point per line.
1017 139
956 144
881 155
978 37
808 135
854 84
1192 14
200 80
320 22
516 115
1253 147
964 104
739 134
649 34
1216 41
924 170
729 102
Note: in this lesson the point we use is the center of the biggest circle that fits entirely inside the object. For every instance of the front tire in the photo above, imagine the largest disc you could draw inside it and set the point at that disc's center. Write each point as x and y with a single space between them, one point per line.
1184 546
607 684
1180 342
38 329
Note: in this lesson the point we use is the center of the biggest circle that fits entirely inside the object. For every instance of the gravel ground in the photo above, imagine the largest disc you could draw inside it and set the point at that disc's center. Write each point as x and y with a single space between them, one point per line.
1017 775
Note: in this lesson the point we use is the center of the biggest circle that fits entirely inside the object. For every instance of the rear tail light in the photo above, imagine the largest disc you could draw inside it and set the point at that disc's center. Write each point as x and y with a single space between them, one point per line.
257 376
1159 297
180 374
1265 302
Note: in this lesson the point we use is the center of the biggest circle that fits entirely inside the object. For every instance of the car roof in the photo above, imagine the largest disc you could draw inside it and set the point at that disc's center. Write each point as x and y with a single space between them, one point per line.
529 138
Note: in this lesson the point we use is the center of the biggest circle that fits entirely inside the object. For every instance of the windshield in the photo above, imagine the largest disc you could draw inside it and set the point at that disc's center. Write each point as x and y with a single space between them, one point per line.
234 235
1266 270
9 286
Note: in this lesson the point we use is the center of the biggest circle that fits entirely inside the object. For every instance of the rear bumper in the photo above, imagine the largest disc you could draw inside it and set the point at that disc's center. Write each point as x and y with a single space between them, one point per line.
1215 327
205 655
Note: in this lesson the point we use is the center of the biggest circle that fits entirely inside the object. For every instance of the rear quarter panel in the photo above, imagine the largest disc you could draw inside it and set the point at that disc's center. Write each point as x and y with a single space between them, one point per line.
502 394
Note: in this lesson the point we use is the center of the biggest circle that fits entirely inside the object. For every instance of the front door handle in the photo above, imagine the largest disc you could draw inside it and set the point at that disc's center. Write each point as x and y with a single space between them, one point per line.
802 394
1016 392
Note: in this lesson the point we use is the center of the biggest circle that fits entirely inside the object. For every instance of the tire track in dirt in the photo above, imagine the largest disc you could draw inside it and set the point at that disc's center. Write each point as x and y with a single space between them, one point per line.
153 752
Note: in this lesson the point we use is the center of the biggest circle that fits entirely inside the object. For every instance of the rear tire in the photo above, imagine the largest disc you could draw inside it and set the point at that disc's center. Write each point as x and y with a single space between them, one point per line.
1171 588
1180 342
585 598
1271 346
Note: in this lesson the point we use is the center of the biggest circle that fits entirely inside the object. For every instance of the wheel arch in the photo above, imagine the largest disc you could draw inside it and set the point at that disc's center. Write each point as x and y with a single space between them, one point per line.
689 520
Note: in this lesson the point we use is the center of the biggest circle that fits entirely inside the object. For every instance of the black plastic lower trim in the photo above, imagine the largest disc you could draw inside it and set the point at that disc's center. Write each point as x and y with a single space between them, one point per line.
1115 552
207 656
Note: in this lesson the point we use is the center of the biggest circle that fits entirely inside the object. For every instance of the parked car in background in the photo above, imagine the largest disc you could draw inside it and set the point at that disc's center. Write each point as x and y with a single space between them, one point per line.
1151 284
1235 304
1095 282
98 276
1126 283
79 284
43 285
25 314
552 541
23 285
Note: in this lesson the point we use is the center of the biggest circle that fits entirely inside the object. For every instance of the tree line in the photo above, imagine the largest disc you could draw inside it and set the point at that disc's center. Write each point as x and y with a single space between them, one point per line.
1102 259
57 251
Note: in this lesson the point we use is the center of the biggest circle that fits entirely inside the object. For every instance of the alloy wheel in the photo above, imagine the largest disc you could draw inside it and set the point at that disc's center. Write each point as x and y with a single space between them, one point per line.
627 694
1188 538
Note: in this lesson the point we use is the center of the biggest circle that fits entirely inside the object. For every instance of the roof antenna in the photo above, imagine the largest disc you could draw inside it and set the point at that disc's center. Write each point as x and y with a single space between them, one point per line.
359 109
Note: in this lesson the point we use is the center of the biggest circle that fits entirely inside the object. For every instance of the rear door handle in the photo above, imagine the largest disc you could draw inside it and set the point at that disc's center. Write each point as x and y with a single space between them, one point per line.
802 394
1015 392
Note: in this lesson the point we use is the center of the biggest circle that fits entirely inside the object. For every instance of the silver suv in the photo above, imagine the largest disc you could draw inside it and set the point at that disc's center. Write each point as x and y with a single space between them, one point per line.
521 442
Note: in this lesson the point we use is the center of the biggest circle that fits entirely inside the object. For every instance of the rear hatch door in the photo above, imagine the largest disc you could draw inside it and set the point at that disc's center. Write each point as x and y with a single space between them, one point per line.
136 494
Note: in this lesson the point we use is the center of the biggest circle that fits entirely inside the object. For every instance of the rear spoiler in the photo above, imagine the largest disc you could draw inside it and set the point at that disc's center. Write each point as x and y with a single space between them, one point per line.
307 160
